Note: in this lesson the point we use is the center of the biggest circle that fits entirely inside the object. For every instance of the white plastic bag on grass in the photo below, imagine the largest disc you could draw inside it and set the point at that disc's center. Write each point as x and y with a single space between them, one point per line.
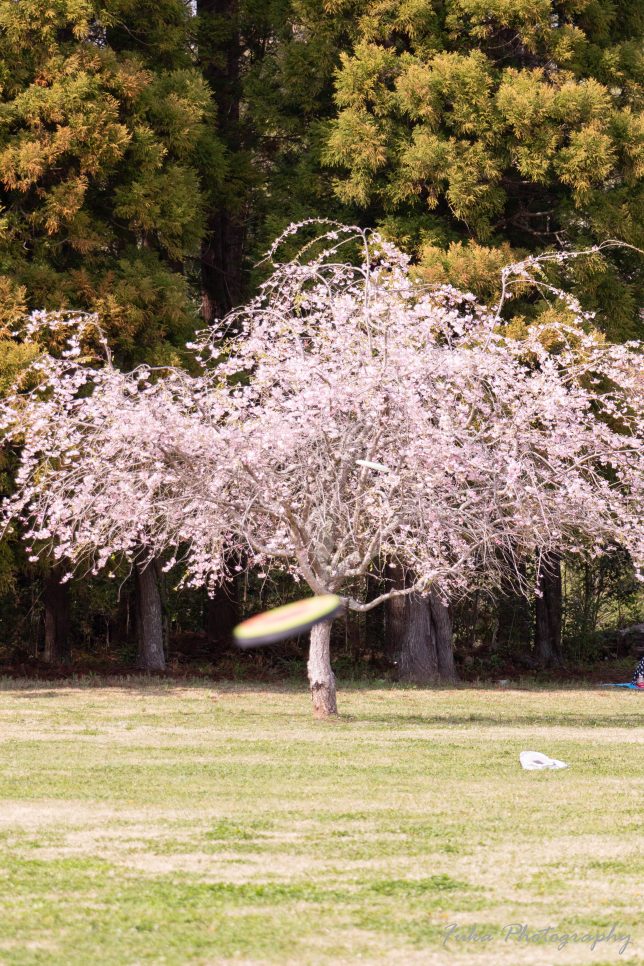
535 761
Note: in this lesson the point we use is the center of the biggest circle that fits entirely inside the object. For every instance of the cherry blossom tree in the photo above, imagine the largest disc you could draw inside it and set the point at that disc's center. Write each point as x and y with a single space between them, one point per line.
345 416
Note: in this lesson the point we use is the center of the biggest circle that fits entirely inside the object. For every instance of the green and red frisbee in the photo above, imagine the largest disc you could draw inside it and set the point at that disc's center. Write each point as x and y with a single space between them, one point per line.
287 621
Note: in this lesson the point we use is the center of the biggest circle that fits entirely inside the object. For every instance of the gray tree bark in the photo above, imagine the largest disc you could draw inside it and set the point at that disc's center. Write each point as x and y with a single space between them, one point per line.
151 656
417 657
442 632
419 636
321 677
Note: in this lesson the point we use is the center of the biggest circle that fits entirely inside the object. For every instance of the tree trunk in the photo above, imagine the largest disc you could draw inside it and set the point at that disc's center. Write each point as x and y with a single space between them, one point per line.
321 677
548 610
150 618
222 260
417 657
419 636
222 252
442 627
374 623
56 602
222 614
395 618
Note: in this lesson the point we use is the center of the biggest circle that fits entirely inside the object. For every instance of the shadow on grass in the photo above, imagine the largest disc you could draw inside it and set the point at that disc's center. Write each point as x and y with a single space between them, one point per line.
532 720
153 686
163 683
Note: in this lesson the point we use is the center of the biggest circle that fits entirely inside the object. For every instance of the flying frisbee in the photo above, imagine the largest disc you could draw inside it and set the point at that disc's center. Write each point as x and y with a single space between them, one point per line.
373 466
287 621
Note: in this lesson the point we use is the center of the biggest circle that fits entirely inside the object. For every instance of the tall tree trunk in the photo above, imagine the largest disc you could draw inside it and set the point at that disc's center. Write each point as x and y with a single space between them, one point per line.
321 677
442 628
417 657
222 258
222 252
419 636
548 611
56 602
150 618
395 616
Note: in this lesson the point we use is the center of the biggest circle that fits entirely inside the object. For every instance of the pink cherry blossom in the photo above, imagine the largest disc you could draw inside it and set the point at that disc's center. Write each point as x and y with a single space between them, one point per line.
345 415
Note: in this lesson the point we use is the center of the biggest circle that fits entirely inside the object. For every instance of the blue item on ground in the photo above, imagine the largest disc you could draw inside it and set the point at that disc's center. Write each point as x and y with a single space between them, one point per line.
634 687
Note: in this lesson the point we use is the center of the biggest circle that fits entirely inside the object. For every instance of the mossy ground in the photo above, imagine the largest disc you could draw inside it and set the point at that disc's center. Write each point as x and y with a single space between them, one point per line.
147 822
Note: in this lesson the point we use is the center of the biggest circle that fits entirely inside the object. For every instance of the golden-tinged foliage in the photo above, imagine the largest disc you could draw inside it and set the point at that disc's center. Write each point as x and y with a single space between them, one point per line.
101 131
510 124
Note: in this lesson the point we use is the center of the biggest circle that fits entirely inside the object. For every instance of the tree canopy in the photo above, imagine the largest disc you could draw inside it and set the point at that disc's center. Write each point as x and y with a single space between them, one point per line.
469 127
104 125
356 417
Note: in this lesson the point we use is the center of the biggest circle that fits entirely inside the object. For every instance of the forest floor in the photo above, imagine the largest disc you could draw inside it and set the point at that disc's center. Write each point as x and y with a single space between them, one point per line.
147 822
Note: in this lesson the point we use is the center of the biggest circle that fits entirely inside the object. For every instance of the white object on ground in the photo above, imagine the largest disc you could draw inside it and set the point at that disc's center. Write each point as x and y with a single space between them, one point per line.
535 761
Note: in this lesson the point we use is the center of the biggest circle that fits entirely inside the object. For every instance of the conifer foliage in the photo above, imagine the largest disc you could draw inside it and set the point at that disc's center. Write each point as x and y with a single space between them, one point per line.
497 122
103 124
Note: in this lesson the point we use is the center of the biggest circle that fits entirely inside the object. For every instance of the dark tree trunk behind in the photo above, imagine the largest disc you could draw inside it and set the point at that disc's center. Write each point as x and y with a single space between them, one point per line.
442 632
149 608
56 603
395 618
222 252
417 657
222 258
548 612
419 636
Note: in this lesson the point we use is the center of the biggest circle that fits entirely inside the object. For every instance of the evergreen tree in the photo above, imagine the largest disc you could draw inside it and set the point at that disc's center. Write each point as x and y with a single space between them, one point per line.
104 124
271 67
469 128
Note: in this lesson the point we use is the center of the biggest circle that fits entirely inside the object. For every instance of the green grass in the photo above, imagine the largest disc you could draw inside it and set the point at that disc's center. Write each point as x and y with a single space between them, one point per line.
152 823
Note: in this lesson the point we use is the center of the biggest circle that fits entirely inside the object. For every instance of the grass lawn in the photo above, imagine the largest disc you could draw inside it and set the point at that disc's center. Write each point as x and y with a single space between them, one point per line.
156 823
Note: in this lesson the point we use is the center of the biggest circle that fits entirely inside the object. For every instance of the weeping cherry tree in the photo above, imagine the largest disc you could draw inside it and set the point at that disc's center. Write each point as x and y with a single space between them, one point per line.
347 416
